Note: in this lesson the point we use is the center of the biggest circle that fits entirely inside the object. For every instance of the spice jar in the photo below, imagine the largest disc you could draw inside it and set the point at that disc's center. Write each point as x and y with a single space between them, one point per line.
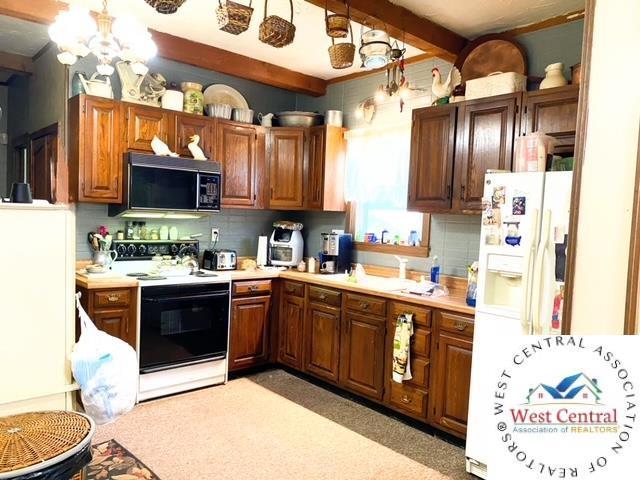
193 98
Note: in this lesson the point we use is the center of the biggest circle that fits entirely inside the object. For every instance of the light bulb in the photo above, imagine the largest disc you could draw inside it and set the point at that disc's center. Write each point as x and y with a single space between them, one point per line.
404 92
67 58
359 113
381 95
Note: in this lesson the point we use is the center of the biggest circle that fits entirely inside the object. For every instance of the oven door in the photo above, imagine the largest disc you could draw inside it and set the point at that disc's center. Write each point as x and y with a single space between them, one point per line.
183 324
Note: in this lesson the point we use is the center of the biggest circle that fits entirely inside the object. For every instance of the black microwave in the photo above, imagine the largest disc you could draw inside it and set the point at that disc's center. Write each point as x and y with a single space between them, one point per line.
169 184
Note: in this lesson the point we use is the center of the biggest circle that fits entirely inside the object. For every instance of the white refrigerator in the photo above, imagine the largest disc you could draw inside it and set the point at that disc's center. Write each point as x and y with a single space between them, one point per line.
523 247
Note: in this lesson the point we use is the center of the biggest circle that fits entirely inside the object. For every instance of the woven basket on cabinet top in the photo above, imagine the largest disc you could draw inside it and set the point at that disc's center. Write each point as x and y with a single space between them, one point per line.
276 31
234 17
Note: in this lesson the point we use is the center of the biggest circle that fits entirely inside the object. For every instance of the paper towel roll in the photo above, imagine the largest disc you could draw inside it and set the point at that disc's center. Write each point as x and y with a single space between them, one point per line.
261 256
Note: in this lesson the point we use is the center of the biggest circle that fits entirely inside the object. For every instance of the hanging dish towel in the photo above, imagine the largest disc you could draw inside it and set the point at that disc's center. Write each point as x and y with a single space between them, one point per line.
401 343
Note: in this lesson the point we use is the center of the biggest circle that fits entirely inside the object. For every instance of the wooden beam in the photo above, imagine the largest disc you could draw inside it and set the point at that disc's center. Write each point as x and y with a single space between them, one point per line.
187 51
16 63
365 73
400 23
550 22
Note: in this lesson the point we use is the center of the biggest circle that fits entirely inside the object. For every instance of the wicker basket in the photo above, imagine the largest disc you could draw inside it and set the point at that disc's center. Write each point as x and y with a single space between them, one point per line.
337 25
276 31
234 17
166 6
342 54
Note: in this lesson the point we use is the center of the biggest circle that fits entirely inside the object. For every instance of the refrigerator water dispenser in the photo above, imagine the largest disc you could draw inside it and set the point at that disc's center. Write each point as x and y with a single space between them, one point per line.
503 281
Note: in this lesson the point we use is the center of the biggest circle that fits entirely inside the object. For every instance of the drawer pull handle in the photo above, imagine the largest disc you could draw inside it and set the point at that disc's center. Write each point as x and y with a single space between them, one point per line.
113 298
322 296
364 306
459 326
291 290
253 288
406 399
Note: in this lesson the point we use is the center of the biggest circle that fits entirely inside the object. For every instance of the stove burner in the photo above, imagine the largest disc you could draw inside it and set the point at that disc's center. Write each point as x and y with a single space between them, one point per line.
152 277
137 274
200 273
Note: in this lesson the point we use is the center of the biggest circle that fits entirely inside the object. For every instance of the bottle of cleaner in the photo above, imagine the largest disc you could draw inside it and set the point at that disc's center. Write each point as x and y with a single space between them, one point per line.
435 270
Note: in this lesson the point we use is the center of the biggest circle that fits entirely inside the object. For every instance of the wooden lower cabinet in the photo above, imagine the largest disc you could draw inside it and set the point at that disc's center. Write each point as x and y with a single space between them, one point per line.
362 353
449 402
113 310
322 334
249 336
291 326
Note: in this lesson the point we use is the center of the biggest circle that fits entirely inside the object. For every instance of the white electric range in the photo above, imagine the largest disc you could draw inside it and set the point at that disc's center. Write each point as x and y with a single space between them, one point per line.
183 329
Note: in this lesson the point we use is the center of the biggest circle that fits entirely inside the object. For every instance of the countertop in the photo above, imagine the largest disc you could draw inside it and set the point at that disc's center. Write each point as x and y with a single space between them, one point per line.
451 303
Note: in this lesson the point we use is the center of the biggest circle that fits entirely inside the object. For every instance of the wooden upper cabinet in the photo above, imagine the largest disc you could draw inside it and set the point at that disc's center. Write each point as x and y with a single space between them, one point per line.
432 156
326 150
143 123
95 151
554 111
286 168
236 151
486 129
187 125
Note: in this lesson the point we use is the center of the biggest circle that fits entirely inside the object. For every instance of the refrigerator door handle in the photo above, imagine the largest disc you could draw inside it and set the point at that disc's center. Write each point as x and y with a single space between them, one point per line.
538 285
527 277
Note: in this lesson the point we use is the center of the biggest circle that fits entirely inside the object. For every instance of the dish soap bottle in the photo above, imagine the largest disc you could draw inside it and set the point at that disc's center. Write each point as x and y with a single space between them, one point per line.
435 270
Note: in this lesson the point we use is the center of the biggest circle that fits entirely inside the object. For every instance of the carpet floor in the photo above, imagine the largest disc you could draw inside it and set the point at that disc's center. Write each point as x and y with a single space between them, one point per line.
273 425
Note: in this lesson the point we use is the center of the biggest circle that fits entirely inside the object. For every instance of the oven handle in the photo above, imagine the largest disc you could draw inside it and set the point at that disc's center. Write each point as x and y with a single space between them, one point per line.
187 297
182 364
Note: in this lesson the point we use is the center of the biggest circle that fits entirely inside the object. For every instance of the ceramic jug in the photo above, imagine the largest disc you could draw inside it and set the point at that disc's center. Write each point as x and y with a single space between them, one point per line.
106 258
554 76
266 119
94 86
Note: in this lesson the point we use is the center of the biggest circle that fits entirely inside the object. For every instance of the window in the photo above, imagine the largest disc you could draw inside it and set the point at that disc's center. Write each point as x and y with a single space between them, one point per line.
377 181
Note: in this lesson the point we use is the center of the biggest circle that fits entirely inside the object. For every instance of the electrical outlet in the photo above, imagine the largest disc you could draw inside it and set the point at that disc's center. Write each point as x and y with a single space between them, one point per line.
215 234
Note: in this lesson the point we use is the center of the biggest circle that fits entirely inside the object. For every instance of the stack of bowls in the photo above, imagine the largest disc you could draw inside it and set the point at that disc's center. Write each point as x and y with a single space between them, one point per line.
243 115
219 110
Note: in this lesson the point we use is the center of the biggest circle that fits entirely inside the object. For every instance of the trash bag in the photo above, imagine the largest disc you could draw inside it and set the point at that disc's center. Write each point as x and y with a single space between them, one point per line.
106 368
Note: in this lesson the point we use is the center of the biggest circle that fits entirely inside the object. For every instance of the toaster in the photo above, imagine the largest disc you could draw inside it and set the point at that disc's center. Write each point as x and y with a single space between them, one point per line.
219 260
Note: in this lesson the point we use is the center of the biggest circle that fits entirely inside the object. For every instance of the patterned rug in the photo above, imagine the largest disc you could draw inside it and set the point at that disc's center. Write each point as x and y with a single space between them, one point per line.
112 461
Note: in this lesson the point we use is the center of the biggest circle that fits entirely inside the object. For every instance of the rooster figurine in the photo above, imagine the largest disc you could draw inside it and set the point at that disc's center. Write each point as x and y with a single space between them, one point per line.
161 148
195 150
442 90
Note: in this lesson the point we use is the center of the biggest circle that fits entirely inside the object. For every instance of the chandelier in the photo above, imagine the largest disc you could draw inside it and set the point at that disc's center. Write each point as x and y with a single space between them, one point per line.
77 34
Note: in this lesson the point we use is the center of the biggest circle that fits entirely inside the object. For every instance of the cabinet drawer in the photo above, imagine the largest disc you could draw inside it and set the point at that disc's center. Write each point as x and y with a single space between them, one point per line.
112 298
370 305
253 287
409 399
323 295
294 288
421 316
456 324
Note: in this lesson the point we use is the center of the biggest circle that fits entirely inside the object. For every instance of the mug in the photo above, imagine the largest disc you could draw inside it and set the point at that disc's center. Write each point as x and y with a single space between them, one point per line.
329 266
266 119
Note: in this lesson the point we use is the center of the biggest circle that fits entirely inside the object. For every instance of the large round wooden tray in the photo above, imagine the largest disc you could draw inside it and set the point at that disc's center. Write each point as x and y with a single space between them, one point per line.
491 53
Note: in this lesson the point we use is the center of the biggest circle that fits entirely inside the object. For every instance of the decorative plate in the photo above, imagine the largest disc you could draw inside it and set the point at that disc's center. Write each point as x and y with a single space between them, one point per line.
219 93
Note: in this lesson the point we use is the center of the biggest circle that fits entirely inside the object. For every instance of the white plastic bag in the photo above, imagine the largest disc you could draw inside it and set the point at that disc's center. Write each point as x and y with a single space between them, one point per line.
106 368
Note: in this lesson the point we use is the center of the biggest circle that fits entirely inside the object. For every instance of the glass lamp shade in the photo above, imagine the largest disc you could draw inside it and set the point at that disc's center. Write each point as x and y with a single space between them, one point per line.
67 58
71 30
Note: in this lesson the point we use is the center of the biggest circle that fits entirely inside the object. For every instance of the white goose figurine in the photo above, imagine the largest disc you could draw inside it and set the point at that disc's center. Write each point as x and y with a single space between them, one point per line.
161 148
195 150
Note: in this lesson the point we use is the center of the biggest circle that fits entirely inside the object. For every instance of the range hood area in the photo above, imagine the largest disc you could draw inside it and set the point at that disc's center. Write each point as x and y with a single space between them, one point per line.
168 187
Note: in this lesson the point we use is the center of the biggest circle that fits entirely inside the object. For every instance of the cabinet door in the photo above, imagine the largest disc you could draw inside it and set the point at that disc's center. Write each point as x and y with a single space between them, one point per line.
100 162
188 125
486 129
286 168
291 329
362 354
322 336
315 184
432 152
143 123
114 321
42 169
236 151
450 391
554 112
249 342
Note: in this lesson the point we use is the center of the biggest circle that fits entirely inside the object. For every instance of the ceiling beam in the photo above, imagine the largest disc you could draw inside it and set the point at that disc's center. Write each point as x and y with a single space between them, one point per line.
550 22
187 51
16 63
419 32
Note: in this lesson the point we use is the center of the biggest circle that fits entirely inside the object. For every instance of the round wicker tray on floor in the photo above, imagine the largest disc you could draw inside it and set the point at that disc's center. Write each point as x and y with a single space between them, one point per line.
32 442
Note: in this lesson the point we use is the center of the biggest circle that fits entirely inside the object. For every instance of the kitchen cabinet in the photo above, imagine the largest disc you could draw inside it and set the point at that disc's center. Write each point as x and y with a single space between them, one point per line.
322 333
187 125
432 155
410 397
553 111
286 168
143 123
95 150
291 325
250 314
486 131
362 345
236 150
325 179
113 310
43 167
449 400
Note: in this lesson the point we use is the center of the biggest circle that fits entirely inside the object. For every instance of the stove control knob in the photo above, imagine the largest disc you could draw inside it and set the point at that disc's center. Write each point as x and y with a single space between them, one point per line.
142 249
132 250
122 250
174 249
153 250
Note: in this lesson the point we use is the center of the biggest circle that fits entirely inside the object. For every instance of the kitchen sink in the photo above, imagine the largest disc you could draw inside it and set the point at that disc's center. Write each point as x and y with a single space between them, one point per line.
384 284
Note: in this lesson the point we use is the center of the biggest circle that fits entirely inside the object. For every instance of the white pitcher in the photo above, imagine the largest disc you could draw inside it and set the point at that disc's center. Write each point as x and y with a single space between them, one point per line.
265 120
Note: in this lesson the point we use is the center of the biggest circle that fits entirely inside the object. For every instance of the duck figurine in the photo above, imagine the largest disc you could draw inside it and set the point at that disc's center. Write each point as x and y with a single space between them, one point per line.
195 149
161 148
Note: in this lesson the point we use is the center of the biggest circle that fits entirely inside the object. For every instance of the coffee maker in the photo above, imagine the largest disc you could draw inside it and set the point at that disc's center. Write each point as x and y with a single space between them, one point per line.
336 252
